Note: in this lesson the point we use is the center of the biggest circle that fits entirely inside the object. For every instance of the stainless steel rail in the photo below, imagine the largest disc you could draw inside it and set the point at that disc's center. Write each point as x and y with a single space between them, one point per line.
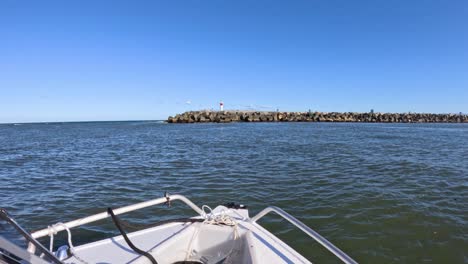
33 242
7 249
316 236
121 210
103 215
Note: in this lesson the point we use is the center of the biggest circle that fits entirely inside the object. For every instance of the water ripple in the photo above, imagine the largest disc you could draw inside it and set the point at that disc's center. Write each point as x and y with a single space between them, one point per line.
382 192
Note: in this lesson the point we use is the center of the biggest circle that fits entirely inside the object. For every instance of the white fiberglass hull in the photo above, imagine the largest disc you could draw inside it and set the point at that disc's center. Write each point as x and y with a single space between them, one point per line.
199 242
223 235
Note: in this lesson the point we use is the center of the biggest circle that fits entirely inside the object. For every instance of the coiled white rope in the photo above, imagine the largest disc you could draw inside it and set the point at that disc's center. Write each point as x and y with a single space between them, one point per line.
219 219
53 231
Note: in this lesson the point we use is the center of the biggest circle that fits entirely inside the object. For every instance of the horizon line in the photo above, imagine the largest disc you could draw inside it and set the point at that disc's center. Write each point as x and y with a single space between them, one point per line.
81 121
145 120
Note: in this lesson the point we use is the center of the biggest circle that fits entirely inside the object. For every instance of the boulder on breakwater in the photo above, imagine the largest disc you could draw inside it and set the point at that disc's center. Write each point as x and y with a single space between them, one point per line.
262 116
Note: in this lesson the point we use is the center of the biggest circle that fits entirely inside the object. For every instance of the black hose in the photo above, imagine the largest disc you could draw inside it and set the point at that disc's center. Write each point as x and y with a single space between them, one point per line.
129 243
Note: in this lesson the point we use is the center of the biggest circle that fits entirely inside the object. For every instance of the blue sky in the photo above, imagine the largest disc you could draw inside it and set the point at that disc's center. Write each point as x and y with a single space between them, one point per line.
116 60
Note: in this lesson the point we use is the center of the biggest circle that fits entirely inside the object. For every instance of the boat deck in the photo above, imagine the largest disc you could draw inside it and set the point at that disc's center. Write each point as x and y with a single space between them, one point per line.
201 242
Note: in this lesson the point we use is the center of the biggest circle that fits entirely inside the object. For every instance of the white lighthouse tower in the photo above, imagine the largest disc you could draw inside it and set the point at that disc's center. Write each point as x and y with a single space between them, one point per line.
221 106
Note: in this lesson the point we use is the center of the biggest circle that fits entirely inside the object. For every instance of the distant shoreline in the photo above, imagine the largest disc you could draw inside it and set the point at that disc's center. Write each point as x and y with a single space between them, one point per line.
205 116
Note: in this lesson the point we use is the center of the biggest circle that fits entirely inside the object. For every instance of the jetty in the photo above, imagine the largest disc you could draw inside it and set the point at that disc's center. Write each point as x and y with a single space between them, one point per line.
208 116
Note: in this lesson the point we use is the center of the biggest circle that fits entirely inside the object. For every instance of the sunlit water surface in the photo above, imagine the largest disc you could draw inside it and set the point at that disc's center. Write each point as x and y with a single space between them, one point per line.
384 193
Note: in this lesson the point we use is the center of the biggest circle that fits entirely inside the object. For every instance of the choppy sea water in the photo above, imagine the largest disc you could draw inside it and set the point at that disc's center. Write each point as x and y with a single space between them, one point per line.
383 193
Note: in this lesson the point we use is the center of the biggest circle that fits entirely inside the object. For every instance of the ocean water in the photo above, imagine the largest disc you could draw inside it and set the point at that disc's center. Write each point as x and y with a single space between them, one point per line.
383 193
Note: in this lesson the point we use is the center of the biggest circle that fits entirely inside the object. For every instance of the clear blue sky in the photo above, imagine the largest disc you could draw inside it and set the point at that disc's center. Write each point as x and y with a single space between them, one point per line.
112 60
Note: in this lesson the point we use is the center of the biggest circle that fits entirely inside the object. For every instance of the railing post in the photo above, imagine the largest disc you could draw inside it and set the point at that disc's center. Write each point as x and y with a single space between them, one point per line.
316 236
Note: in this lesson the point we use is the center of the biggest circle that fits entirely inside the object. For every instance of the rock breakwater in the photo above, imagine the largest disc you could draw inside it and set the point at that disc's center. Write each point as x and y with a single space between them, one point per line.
262 116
